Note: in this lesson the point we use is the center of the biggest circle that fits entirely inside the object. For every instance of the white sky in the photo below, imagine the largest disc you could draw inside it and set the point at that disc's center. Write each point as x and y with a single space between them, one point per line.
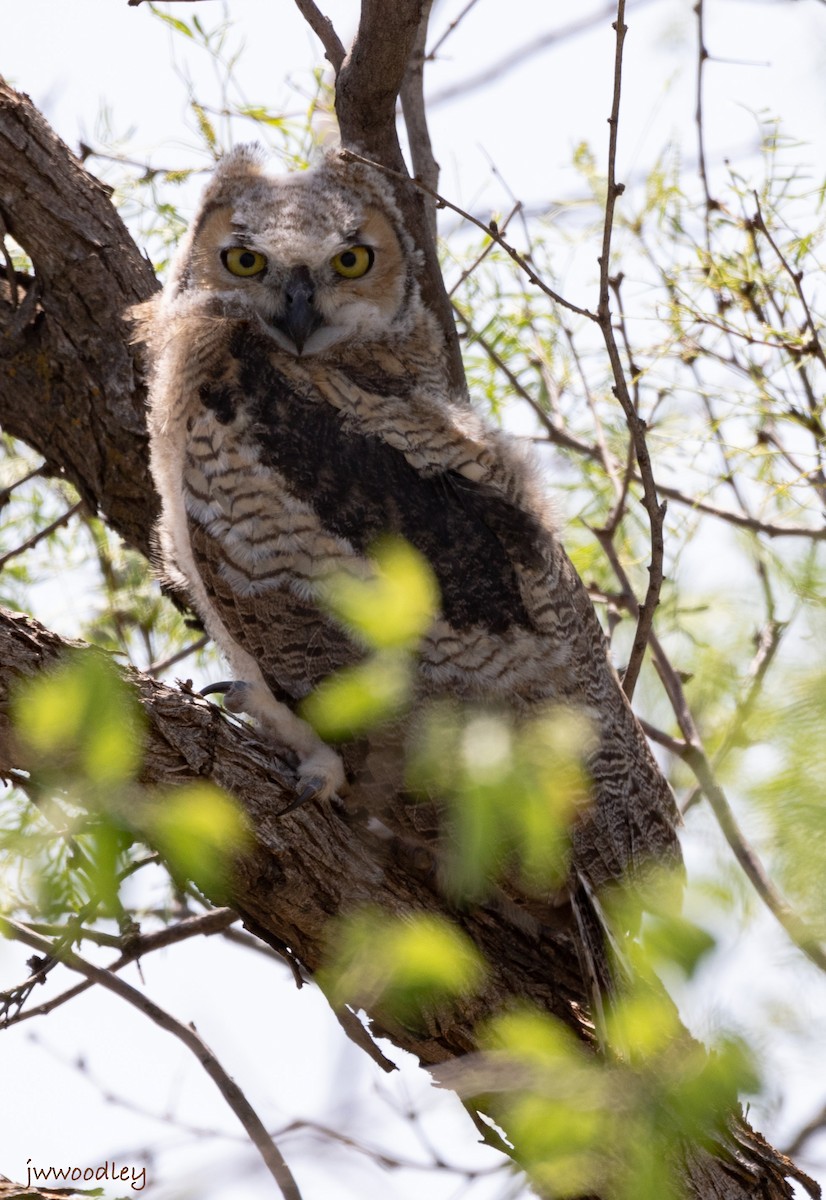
72 58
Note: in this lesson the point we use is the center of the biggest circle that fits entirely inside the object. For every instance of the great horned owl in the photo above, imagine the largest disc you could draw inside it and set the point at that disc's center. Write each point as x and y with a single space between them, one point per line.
298 411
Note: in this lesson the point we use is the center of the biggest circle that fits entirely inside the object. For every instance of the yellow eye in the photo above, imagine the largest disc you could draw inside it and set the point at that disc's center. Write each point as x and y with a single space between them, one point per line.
240 261
353 263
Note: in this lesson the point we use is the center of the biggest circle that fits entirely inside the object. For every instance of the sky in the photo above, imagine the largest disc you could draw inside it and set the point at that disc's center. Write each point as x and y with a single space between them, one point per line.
513 137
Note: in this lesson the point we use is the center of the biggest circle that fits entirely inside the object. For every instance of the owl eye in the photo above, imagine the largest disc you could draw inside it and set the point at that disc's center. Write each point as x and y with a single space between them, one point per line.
353 263
240 261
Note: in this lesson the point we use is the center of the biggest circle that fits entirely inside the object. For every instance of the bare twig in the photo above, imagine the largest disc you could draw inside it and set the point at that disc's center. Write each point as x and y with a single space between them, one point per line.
814 347
322 27
157 668
6 492
702 59
41 534
437 45
691 751
218 920
797 929
527 50
480 258
490 229
768 643
227 1086
636 426
816 1125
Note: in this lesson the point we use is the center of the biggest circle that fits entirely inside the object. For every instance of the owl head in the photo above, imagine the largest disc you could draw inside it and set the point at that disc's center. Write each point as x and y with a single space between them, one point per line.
316 258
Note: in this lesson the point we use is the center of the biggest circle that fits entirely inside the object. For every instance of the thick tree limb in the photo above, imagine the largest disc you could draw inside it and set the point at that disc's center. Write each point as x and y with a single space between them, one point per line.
69 383
318 861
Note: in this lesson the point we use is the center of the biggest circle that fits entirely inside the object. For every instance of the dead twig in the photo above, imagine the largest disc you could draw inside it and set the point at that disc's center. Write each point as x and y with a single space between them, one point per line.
491 229
322 27
41 534
187 1034
636 425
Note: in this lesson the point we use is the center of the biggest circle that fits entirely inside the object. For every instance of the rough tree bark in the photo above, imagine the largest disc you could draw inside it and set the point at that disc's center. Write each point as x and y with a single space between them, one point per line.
71 387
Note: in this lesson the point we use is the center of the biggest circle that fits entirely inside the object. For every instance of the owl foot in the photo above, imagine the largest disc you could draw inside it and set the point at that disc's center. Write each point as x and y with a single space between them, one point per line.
320 769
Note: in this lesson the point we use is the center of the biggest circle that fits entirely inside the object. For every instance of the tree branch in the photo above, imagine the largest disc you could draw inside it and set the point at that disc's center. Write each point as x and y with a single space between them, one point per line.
217 920
69 383
323 28
368 85
636 426
187 1034
425 167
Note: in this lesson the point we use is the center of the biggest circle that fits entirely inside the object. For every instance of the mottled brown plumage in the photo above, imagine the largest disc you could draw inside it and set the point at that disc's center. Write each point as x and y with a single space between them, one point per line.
299 411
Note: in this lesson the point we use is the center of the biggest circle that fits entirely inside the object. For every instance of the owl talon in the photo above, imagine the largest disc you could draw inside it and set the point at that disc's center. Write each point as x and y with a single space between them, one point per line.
235 693
312 789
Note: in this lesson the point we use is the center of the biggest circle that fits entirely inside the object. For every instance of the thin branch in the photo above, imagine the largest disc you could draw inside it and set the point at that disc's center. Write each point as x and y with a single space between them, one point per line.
41 534
322 27
768 643
490 229
480 258
218 920
6 492
797 929
636 426
814 347
227 1086
516 58
437 45
754 524
816 1125
158 667
702 59
693 754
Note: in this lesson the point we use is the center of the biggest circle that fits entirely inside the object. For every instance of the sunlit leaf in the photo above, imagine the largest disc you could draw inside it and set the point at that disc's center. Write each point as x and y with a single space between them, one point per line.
82 717
198 830
356 699
404 965
395 605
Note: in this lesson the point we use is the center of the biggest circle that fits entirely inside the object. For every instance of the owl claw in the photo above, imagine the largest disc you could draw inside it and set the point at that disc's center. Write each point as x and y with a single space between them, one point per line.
320 769
312 789
235 693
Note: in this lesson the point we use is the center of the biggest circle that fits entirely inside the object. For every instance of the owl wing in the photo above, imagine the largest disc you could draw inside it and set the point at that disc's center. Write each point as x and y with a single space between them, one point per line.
305 488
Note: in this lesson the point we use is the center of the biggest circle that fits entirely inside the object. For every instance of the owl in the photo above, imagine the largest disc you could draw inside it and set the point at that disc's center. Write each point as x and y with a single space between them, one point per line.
299 410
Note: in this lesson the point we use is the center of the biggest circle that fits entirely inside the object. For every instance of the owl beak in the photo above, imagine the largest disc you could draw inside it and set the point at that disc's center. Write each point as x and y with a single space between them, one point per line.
300 317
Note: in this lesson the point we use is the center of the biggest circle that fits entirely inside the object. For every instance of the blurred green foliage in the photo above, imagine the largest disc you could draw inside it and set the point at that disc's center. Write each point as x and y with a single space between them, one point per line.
401 966
388 612
513 788
80 727
615 1126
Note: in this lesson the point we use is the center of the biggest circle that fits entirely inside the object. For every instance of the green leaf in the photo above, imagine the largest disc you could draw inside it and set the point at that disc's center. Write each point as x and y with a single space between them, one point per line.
82 719
394 605
198 830
205 125
173 22
403 965
356 699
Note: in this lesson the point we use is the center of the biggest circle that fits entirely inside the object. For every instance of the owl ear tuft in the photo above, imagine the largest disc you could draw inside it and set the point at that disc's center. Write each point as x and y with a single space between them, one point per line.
242 162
